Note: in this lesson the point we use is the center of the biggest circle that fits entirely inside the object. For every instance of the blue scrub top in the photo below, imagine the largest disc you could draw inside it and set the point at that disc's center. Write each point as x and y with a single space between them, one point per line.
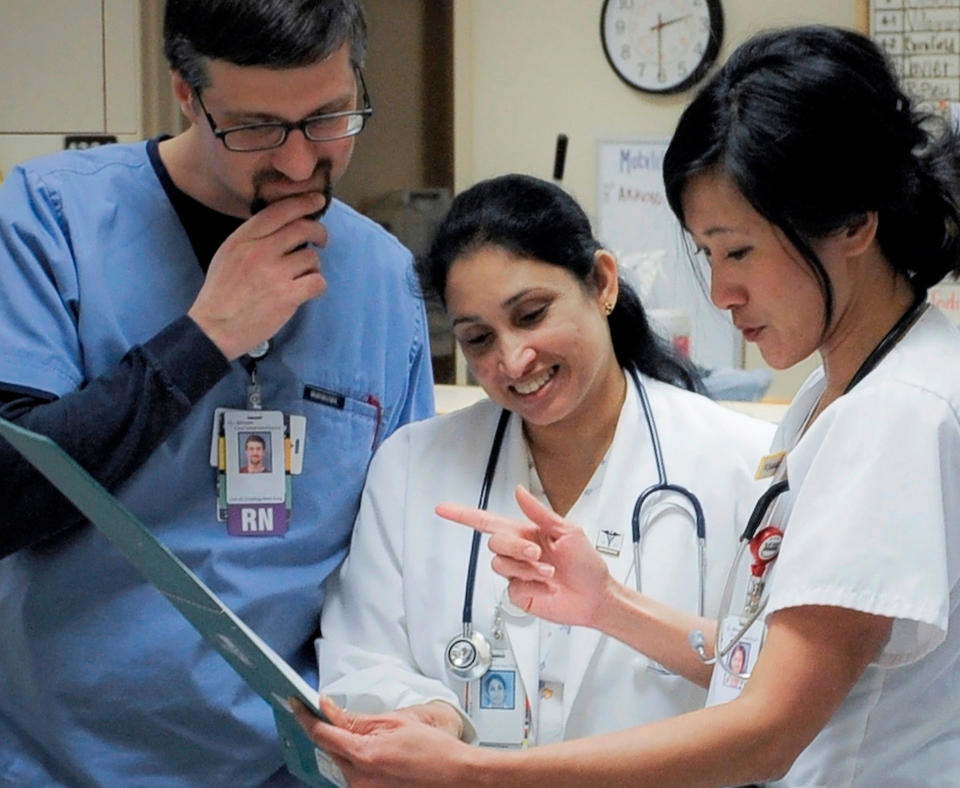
101 680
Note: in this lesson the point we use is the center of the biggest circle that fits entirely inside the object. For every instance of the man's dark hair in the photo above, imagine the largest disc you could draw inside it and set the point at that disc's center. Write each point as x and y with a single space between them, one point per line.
270 33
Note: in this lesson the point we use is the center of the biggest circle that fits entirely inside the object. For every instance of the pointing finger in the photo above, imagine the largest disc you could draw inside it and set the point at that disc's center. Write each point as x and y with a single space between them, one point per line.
477 519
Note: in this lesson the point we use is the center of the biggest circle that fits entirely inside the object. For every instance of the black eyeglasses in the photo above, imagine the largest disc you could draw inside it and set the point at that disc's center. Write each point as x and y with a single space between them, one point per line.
317 128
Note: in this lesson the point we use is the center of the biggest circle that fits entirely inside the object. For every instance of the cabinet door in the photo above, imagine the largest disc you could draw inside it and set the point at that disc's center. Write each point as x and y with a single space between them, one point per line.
53 66
122 69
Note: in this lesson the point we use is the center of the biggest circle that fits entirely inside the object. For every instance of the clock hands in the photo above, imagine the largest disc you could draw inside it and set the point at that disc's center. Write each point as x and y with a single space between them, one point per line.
661 24
661 46
661 74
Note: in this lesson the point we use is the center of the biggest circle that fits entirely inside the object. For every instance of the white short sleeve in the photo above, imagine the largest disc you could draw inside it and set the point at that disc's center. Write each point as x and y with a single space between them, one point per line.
872 482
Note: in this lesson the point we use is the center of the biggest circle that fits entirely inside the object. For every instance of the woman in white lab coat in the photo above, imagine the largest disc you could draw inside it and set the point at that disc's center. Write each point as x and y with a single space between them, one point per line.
826 207
547 329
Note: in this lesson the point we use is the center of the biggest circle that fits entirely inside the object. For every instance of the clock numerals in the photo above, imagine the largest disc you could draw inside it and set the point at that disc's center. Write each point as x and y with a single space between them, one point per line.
678 40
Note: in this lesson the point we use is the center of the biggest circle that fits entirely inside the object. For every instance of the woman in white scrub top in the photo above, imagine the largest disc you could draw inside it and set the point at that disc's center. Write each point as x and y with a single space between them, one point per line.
547 328
826 207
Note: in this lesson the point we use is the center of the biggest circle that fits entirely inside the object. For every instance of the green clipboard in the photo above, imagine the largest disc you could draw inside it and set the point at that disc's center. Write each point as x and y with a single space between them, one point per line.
259 665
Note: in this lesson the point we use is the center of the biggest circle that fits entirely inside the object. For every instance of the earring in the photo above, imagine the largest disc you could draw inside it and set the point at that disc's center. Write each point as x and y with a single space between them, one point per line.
608 307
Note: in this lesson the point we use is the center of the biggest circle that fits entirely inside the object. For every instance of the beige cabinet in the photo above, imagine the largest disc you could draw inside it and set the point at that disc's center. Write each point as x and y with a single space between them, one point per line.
68 66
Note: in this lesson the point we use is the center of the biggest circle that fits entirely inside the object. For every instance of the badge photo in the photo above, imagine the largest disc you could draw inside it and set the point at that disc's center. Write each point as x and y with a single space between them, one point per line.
739 657
497 704
498 690
256 486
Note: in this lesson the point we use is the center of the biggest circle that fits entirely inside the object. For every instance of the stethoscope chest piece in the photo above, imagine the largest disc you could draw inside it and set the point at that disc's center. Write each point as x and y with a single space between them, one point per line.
468 655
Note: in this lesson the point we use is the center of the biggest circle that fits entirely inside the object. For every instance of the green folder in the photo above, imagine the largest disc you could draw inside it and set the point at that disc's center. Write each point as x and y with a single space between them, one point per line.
259 665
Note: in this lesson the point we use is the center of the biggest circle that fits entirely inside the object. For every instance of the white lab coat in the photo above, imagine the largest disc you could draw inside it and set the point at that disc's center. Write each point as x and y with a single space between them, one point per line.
398 598
874 526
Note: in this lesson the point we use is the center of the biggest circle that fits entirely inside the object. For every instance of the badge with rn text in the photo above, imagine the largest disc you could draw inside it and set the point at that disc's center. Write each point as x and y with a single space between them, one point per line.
255 453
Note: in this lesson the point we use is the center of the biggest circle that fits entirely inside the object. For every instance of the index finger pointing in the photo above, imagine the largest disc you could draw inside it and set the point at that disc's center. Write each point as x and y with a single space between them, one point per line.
465 515
476 518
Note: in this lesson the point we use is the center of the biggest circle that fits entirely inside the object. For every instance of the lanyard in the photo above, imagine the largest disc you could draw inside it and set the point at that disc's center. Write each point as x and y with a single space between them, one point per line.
756 601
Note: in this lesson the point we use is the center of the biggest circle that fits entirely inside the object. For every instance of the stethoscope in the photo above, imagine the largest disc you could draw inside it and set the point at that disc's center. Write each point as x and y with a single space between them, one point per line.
663 485
468 654
765 543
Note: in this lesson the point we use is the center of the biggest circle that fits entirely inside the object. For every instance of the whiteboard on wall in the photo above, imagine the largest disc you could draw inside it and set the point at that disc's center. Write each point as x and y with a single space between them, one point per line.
635 222
922 40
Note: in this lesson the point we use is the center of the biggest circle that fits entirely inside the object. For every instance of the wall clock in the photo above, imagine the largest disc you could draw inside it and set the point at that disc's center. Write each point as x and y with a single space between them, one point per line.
661 46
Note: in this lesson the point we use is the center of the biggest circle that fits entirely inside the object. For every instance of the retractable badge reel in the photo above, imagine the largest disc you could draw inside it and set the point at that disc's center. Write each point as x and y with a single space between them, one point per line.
254 394
764 547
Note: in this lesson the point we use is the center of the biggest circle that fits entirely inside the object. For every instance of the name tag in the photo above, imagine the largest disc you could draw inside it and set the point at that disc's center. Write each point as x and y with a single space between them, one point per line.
326 397
769 464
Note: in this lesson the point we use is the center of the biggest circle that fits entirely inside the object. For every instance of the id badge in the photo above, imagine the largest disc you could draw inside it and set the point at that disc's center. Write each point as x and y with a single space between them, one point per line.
255 453
498 703
741 658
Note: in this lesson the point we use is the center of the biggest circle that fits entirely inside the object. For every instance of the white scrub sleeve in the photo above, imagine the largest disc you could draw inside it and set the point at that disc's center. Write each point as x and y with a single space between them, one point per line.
874 481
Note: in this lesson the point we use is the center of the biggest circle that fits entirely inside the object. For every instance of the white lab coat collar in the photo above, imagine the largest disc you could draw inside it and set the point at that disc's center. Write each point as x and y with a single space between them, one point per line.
615 507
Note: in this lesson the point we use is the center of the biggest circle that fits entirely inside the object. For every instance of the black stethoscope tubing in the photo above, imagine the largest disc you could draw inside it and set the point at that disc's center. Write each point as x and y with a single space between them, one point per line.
765 502
488 475
884 346
661 485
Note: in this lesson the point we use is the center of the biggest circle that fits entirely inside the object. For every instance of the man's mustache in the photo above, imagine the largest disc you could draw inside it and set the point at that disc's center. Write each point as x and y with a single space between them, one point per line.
323 168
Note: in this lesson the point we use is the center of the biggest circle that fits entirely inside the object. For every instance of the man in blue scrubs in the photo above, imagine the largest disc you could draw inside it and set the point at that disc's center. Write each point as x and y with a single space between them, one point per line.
144 287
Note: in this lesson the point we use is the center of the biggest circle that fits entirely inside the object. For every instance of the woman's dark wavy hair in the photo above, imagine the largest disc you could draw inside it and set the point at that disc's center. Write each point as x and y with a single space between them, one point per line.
537 220
812 127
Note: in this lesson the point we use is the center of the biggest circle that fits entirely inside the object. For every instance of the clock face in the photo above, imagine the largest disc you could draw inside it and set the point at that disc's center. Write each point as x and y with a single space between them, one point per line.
661 46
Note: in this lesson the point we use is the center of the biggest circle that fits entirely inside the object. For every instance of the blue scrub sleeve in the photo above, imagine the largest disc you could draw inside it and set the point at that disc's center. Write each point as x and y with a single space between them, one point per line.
110 426
419 401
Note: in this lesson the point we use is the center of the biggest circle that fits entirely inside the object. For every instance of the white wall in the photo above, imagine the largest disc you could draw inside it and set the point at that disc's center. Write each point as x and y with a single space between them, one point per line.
525 70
